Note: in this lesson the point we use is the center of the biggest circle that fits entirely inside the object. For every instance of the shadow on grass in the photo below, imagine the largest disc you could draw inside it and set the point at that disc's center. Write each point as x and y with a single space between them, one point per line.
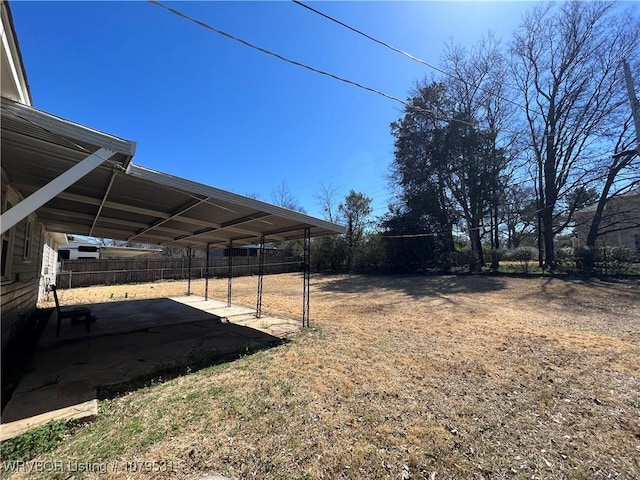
565 288
416 286
166 373
44 438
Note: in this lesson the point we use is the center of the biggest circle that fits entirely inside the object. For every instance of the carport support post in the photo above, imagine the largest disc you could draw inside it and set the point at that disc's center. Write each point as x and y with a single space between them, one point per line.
206 278
306 268
189 272
260 275
230 273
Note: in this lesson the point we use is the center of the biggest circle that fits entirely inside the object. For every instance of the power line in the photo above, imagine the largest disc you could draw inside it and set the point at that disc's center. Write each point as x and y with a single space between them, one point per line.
406 54
336 77
411 235
302 65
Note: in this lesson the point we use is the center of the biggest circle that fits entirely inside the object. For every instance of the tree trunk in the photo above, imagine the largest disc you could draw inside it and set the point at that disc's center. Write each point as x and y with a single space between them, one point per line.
444 221
495 257
540 237
539 204
550 193
476 258
449 248
549 249
592 236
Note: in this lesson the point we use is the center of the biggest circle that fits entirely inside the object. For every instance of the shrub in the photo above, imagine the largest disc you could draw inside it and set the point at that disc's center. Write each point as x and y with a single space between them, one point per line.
524 255
460 258
616 260
607 260
566 258
493 257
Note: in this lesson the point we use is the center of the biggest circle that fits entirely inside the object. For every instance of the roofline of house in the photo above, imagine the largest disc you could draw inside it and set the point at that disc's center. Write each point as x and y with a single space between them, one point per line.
592 208
15 45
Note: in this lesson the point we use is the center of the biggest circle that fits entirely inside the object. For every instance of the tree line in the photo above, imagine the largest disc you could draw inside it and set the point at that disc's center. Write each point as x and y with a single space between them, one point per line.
499 152
504 149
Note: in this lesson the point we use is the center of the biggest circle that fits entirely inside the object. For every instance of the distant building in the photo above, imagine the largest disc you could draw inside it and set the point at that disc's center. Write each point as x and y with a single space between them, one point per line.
620 225
246 251
75 250
52 242
78 251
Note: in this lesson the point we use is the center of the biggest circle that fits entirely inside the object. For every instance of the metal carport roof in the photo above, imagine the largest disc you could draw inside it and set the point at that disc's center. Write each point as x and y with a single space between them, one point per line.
113 198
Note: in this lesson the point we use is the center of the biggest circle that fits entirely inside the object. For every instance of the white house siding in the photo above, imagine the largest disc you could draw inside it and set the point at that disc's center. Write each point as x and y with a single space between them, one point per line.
20 284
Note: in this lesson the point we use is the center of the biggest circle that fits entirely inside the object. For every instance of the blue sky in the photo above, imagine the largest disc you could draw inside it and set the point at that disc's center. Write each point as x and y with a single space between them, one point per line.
209 109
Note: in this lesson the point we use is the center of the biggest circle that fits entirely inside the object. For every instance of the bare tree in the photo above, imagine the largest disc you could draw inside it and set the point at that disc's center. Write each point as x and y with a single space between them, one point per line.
567 66
478 90
621 174
519 212
326 197
283 197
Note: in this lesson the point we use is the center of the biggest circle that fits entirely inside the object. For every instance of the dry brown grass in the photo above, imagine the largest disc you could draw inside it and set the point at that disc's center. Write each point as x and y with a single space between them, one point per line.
400 377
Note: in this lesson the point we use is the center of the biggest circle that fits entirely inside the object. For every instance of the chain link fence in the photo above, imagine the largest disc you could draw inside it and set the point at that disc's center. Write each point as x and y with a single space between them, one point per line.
85 272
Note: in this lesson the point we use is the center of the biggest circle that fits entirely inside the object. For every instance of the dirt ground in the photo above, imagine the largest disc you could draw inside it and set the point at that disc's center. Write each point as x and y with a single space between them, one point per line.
399 377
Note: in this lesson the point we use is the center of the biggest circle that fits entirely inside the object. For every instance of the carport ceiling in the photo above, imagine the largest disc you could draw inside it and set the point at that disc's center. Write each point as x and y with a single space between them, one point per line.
124 201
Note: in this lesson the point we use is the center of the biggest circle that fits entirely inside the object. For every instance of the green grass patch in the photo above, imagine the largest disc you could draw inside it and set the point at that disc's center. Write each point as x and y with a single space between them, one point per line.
104 440
142 418
517 267
215 391
36 441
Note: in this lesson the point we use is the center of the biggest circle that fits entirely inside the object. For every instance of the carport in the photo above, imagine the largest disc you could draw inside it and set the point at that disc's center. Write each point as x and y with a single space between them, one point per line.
78 180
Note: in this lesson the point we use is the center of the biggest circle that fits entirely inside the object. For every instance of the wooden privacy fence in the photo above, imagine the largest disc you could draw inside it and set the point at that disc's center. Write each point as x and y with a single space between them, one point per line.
87 272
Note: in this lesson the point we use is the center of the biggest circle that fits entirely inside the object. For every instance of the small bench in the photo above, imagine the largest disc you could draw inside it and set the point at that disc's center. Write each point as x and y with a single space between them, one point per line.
74 313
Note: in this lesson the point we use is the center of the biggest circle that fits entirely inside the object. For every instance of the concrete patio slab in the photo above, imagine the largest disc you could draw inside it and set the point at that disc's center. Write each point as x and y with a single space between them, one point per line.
214 307
124 317
130 340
